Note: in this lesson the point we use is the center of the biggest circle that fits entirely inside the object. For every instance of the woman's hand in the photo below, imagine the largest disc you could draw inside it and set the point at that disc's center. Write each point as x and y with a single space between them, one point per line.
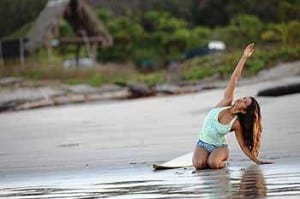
249 50
264 162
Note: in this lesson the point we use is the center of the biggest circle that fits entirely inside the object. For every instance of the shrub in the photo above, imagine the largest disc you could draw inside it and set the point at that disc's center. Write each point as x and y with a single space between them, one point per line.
65 29
223 66
270 36
254 66
151 79
228 34
104 14
146 59
96 80
249 26
293 32
199 36
242 29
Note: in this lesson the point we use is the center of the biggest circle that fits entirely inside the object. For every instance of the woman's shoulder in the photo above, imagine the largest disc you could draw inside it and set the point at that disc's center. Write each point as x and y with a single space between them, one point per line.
236 125
221 107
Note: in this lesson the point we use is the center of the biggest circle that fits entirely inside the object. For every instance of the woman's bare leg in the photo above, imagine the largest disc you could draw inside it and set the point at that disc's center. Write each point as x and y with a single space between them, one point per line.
200 158
217 158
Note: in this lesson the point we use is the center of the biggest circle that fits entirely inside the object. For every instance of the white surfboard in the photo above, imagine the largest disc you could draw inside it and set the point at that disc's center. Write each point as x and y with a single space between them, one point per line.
183 161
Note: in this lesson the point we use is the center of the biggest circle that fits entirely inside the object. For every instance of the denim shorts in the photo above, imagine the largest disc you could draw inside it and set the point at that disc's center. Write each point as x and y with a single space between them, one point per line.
209 147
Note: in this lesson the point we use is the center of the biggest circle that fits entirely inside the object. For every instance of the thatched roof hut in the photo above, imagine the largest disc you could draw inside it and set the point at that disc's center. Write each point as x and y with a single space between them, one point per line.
78 14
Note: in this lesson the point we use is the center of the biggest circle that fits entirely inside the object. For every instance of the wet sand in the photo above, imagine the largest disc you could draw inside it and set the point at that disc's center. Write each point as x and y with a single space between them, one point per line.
106 150
237 180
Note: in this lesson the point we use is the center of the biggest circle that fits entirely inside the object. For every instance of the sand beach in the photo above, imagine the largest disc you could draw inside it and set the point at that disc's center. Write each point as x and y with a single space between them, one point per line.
106 150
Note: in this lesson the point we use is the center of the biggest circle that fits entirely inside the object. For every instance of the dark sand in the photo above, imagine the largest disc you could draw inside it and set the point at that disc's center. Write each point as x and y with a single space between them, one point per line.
106 150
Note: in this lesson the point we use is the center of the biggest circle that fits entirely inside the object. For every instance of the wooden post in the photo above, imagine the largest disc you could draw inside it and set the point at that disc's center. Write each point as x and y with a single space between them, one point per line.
94 52
77 55
1 55
21 51
49 48
49 52
87 44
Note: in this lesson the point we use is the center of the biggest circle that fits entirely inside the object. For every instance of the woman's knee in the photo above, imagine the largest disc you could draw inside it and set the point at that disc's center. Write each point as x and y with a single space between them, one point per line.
200 164
216 164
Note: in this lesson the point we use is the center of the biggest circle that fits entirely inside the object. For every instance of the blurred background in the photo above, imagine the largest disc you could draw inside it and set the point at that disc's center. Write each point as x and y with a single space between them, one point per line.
135 44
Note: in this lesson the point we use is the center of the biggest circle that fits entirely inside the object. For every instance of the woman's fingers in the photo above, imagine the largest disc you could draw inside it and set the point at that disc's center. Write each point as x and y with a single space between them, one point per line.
249 49
251 45
266 162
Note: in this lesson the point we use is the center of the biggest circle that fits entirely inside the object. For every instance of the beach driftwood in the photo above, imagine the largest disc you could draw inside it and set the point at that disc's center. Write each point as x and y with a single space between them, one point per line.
280 90
140 90
21 94
30 98
74 98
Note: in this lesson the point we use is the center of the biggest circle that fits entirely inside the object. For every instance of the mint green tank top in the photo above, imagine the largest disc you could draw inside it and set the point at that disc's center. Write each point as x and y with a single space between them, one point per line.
213 132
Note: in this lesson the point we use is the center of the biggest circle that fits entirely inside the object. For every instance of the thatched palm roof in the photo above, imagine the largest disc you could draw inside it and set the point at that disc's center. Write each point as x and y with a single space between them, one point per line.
77 13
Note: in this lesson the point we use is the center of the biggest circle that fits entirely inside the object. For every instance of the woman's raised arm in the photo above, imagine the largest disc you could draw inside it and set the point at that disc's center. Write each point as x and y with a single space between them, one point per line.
229 91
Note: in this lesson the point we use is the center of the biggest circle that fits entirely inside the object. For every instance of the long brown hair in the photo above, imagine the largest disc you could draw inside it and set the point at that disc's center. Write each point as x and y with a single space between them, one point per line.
251 126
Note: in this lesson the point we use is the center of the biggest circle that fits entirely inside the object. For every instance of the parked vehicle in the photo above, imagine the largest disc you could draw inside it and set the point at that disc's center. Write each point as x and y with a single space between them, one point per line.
211 47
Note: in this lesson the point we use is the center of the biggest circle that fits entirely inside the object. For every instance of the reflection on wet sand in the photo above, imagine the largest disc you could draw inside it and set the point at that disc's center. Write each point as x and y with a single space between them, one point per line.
252 184
213 183
179 183
219 184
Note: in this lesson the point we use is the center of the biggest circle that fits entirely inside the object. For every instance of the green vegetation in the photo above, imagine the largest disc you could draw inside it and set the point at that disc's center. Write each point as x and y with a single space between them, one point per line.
156 37
192 70
149 39
223 65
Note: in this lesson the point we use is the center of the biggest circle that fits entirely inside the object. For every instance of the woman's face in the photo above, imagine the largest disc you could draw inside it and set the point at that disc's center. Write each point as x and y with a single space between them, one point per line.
243 103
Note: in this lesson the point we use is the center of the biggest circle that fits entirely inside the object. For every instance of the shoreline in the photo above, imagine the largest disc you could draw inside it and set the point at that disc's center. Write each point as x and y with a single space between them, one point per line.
19 94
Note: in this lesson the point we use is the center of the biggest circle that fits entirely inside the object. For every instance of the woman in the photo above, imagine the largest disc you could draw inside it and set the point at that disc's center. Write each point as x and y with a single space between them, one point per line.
243 117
